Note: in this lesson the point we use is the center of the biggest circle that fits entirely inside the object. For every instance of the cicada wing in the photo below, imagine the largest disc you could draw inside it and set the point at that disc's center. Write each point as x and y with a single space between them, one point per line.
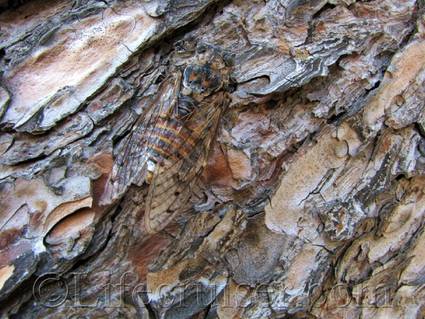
171 185
130 167
131 161
167 196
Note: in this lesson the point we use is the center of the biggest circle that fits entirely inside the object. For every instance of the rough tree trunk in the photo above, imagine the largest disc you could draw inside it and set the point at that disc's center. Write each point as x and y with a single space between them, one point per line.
307 198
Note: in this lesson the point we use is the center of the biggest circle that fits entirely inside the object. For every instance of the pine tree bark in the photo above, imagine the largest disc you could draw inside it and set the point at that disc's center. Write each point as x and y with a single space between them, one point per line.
304 195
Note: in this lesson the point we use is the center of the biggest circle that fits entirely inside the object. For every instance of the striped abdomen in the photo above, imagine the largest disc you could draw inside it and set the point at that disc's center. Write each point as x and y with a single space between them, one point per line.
169 141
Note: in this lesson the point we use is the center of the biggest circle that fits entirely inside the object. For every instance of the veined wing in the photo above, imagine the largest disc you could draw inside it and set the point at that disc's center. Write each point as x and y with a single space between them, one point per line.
131 162
172 183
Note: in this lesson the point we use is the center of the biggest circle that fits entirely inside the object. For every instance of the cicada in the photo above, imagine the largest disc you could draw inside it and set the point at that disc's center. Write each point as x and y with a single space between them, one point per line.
168 146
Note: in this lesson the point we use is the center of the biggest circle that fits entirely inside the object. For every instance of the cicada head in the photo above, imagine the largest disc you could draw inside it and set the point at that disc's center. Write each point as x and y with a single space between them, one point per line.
206 76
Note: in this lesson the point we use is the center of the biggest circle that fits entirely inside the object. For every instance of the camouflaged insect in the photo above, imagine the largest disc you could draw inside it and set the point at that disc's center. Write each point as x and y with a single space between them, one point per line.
168 147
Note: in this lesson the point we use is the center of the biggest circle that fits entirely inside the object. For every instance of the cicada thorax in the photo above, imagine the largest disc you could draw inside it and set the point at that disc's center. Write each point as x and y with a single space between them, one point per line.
202 79
186 106
206 76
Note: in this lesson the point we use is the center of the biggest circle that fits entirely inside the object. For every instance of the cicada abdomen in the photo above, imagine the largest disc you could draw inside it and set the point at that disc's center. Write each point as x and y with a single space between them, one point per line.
168 141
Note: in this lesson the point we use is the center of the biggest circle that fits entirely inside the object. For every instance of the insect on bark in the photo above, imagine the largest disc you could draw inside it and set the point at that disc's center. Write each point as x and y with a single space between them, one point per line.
169 145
